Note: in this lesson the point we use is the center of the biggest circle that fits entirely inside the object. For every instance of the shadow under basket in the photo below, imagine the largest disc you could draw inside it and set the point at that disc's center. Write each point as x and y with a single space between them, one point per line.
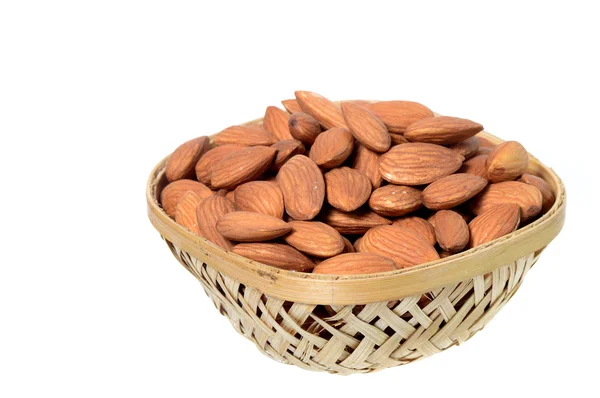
362 323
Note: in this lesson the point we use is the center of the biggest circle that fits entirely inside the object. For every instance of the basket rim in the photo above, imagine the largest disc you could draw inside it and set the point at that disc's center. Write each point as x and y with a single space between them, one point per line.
311 288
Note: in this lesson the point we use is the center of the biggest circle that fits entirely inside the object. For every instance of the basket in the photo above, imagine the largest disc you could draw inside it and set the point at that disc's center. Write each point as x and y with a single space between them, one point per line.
361 323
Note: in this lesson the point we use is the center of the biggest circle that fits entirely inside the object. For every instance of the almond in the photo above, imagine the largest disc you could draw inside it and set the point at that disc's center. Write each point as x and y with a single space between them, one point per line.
332 148
475 166
246 226
418 163
453 190
483 151
347 189
356 222
260 197
395 200
451 231
367 162
398 115
174 191
485 142
348 248
398 139
208 213
314 238
275 254
244 135
304 127
419 225
183 160
528 197
355 264
367 128
212 157
497 221
276 122
241 166
403 246
291 105
300 174
508 161
442 130
285 150
231 197
185 212
356 244
466 148
322 109
547 194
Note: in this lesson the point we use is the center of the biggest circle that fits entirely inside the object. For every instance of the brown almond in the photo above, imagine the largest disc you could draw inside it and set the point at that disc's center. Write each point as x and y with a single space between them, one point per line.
170 195
508 161
356 244
276 122
275 254
260 197
242 166
291 105
285 150
442 130
451 231
356 222
452 190
326 112
246 226
304 127
231 196
185 212
528 197
485 142
314 238
332 148
212 157
419 225
348 247
395 200
398 115
418 163
483 151
548 197
355 264
244 135
367 128
300 174
494 223
183 160
476 166
367 162
404 247
208 213
466 148
398 139
347 189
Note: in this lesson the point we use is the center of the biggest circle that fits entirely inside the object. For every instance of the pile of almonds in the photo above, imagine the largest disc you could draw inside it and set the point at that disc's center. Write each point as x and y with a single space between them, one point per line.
355 188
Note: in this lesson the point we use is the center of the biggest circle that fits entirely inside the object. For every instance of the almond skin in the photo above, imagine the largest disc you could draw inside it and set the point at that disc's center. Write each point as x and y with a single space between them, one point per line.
185 212
285 150
300 174
332 148
442 130
212 157
183 160
355 264
485 142
315 238
348 247
173 192
291 105
476 166
276 122
356 222
419 225
246 226
326 112
451 231
347 189
497 221
398 139
275 254
244 135
453 190
367 162
467 148
231 197
548 197
208 213
395 200
418 163
242 166
304 127
404 247
260 197
528 197
367 128
398 115
508 161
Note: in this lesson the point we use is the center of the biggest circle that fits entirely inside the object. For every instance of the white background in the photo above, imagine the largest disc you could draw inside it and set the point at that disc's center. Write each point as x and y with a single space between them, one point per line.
94 93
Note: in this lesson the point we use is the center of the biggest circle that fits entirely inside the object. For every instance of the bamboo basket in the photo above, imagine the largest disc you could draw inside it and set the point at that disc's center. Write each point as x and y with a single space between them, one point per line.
361 323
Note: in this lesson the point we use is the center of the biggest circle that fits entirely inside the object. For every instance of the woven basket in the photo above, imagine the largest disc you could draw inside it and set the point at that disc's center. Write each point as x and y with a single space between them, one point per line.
361 323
